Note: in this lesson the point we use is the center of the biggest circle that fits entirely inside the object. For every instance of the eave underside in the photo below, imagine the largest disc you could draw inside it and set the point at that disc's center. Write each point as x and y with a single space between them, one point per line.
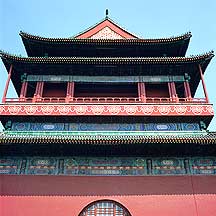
130 149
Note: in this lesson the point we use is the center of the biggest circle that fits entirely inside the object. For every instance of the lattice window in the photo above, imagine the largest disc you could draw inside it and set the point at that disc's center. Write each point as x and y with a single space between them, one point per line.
105 208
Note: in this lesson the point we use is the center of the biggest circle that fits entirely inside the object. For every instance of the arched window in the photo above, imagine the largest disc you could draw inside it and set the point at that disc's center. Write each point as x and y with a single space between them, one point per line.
105 208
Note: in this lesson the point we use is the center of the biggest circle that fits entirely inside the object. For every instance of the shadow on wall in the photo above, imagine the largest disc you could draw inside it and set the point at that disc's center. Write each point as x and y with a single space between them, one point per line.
106 186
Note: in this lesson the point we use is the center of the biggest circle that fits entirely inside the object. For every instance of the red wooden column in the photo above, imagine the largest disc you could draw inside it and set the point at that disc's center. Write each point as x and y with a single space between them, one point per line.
174 94
187 88
141 91
23 90
7 84
41 89
203 84
70 91
172 91
38 91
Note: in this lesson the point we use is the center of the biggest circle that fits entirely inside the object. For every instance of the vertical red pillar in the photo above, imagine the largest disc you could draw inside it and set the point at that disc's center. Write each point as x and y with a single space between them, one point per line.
70 91
174 94
23 90
188 89
173 89
38 91
170 90
203 84
41 89
7 84
141 91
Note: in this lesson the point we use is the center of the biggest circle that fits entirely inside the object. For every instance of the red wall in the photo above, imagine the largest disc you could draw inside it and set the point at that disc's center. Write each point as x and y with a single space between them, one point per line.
67 196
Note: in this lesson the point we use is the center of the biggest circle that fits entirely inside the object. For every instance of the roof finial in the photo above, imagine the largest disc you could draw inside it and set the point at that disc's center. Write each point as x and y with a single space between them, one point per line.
107 13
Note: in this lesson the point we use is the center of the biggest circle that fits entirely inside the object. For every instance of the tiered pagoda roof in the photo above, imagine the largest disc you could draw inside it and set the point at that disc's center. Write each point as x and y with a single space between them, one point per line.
109 50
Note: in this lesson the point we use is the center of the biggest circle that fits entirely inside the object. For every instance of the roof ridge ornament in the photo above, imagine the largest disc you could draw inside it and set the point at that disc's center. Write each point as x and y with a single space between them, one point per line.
107 14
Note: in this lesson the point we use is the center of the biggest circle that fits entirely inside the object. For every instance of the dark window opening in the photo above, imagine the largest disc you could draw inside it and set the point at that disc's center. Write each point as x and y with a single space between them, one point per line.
180 90
54 90
159 90
31 87
105 90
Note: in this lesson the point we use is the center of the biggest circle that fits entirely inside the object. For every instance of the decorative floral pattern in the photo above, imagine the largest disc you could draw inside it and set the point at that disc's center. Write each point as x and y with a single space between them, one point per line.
63 110
164 110
80 109
14 110
181 110
147 110
1 109
114 110
30 110
106 33
197 110
131 110
97 110
92 109
210 109
47 110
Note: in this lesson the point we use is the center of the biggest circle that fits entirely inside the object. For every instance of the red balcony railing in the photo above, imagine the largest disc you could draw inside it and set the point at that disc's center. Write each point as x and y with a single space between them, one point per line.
105 100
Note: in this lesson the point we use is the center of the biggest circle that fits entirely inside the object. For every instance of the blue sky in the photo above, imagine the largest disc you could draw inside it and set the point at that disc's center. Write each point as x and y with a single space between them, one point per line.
147 19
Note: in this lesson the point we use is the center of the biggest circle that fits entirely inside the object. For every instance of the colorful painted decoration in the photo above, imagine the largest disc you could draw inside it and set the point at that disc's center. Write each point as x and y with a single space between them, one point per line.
203 165
168 166
10 165
42 166
103 166
25 126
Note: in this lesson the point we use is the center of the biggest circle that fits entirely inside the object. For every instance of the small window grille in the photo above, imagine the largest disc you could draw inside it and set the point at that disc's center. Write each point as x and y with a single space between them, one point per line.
105 208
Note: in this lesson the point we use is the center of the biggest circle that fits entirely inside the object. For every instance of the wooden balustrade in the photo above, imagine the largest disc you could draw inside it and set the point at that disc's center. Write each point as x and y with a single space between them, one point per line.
104 100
